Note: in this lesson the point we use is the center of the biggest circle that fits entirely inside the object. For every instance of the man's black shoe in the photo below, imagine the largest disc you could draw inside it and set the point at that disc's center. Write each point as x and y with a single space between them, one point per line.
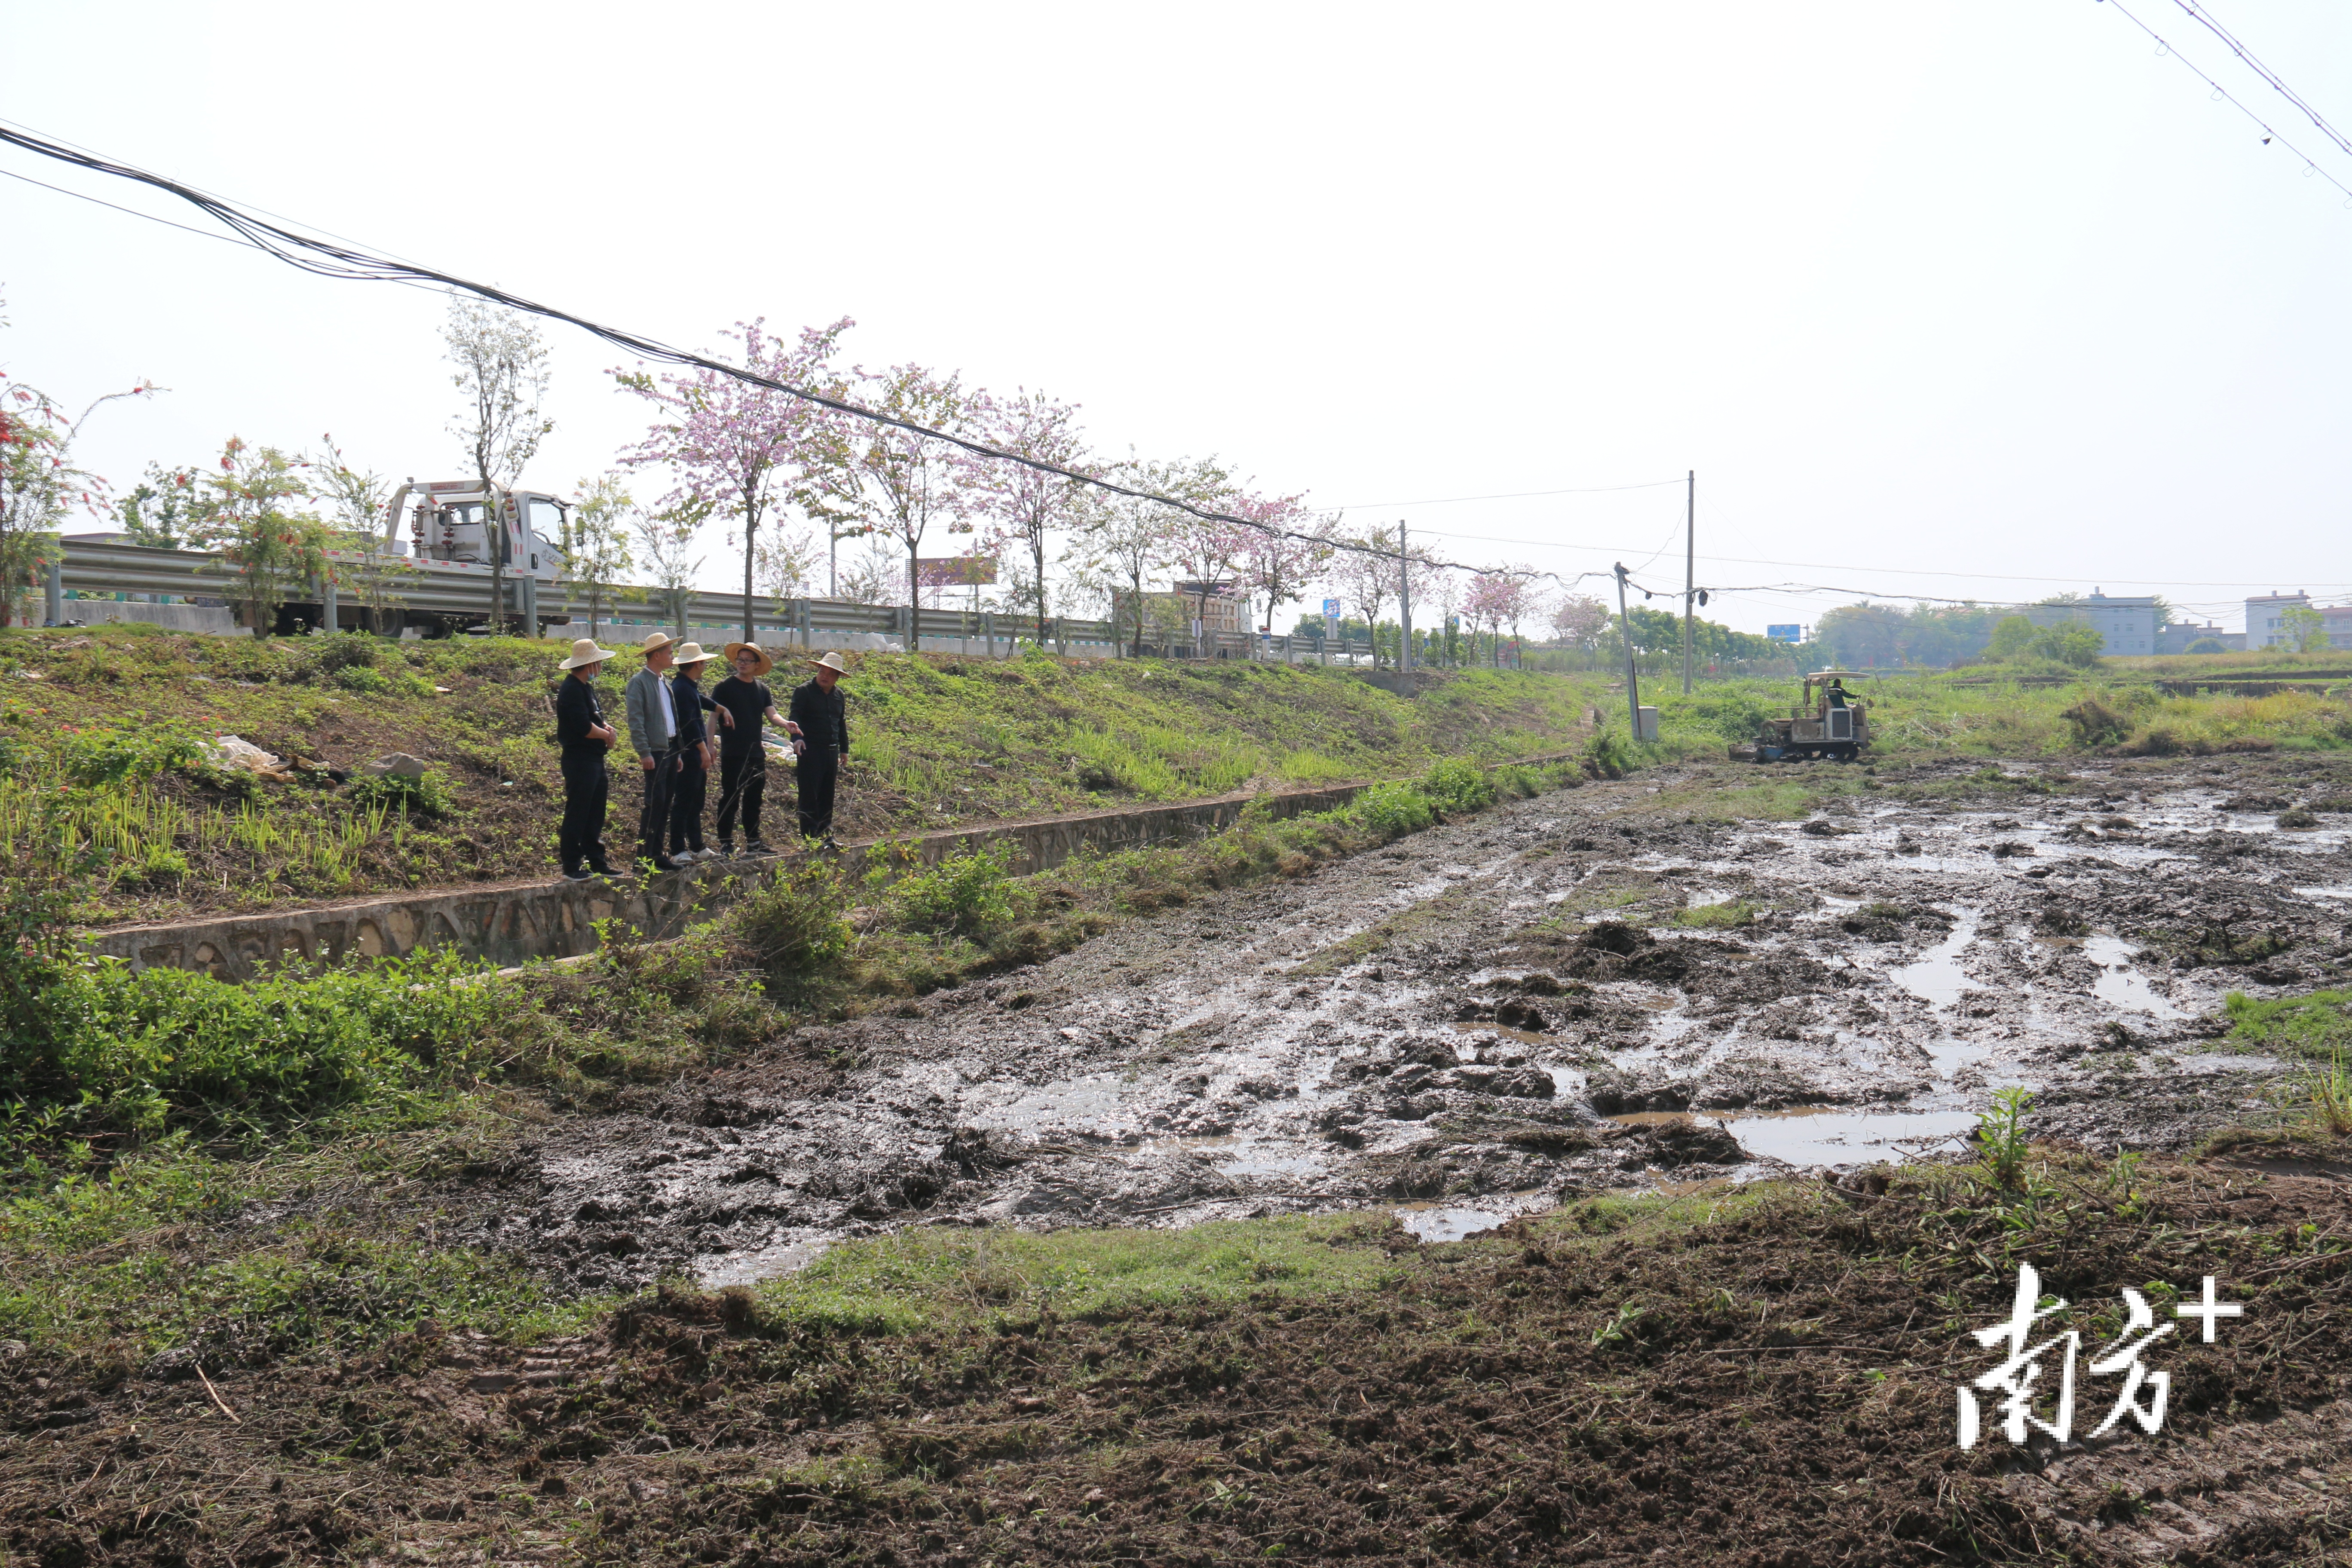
576 875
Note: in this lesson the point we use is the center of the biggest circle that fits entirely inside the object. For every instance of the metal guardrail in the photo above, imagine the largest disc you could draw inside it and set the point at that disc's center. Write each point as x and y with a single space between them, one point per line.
98 570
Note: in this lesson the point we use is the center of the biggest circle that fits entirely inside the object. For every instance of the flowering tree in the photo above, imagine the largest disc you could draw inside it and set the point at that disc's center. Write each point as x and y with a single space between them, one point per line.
249 514
501 376
159 511
894 481
1028 507
1207 553
667 537
39 483
359 498
1443 586
1579 620
1276 567
740 448
1495 600
1369 576
1123 539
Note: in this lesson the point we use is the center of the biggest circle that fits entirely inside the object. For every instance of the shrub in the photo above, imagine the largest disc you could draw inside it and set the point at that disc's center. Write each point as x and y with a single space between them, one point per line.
798 924
363 679
2095 723
963 893
1457 784
1390 811
1606 756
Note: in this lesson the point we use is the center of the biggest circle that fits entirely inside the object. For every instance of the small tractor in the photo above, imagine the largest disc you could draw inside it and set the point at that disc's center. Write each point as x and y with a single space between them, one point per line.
1816 727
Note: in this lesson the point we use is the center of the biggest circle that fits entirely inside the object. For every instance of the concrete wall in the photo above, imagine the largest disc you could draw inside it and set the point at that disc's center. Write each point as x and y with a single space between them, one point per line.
204 618
513 924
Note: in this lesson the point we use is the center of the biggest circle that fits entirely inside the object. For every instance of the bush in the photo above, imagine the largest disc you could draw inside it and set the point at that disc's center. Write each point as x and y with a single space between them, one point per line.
1606 755
1390 811
962 894
1457 784
798 924
142 1052
2094 723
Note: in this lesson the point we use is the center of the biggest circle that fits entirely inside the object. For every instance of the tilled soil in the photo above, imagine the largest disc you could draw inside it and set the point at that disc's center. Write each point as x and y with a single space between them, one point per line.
1593 991
1773 1390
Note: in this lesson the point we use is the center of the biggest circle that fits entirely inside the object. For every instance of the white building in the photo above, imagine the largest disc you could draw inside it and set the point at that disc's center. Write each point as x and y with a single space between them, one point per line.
2265 613
2126 625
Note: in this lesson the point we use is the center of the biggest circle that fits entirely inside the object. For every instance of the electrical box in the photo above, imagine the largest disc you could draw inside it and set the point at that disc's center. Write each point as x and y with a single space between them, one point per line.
1645 723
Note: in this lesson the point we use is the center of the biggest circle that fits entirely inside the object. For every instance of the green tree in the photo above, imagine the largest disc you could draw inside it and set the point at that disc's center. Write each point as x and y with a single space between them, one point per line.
2012 637
248 514
159 510
503 375
2303 629
597 540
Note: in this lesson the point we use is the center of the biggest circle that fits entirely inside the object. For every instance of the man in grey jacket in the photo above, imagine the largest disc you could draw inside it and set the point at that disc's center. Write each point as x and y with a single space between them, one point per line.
653 735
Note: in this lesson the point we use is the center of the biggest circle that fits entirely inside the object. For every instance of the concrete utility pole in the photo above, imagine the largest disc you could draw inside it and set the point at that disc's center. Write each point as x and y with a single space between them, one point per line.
1404 608
1632 676
1690 571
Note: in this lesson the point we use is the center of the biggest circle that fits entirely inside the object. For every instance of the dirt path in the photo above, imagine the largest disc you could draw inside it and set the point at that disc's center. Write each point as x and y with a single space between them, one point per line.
1442 1025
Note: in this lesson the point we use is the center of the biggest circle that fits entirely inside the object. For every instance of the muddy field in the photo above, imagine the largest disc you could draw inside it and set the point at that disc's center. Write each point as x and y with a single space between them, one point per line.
1599 990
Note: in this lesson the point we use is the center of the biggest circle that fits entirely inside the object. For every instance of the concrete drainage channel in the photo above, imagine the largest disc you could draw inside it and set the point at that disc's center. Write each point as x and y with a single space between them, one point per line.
516 923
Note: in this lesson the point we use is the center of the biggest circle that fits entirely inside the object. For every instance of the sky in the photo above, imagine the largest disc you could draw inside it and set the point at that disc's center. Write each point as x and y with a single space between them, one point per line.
1983 301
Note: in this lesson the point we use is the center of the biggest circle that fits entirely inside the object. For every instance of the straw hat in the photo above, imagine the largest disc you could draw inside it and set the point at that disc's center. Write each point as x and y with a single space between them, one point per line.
767 660
830 661
691 653
655 642
585 651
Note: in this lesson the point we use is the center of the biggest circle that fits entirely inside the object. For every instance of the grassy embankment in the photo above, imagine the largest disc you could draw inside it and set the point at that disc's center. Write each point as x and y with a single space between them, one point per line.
99 751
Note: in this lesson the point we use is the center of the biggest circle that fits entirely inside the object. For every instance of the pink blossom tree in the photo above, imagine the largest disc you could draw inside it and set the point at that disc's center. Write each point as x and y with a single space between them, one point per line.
1208 552
1579 620
893 481
1368 577
1275 567
1026 506
1495 600
738 449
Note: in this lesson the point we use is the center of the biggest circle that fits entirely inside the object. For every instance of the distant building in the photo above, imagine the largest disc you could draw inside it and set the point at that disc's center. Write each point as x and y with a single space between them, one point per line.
1219 610
2180 637
2263 615
2126 625
2338 619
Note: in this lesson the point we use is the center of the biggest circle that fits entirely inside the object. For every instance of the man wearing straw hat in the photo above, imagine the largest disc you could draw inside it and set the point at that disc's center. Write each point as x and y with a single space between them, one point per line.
694 755
745 708
654 736
581 730
820 712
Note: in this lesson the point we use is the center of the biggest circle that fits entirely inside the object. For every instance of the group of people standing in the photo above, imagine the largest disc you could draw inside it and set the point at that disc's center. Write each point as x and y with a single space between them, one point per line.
680 734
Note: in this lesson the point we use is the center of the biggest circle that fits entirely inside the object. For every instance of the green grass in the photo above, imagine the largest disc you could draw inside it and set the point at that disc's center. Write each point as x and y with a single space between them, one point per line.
920 1281
1719 917
2316 1025
113 718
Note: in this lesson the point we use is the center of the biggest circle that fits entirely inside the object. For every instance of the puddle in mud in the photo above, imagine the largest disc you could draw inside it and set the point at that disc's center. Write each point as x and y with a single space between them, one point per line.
2121 986
1432 1222
1936 976
1838 1139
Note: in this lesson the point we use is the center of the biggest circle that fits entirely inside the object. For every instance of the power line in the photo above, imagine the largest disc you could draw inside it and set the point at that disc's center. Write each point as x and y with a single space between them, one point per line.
151 217
350 261
2220 92
2206 19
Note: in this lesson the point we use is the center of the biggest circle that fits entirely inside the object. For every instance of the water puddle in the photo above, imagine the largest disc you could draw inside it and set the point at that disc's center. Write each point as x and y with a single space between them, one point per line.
1936 975
2119 985
1433 1221
1840 1139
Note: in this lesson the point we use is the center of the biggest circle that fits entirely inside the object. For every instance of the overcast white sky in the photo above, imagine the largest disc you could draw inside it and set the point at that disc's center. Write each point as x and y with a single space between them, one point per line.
1981 299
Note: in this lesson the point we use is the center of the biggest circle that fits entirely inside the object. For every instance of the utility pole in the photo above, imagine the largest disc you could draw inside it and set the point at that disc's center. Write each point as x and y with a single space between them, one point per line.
1690 571
1404 608
1632 676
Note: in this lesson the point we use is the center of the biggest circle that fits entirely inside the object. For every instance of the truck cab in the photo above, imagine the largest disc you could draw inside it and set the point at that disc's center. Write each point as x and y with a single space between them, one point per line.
454 523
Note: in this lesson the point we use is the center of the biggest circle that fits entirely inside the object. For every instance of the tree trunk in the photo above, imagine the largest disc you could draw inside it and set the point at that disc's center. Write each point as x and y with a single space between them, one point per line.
1037 552
914 602
750 532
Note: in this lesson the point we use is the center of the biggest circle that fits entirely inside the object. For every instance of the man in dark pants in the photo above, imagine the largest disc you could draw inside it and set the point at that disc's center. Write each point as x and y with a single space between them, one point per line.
746 708
694 756
581 730
653 735
821 713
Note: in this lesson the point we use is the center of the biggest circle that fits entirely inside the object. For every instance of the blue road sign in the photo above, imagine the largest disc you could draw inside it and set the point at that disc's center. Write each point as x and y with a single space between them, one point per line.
1785 634
1331 610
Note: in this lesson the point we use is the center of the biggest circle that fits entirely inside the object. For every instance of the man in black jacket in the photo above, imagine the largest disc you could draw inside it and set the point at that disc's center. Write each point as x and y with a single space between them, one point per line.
581 730
695 755
820 712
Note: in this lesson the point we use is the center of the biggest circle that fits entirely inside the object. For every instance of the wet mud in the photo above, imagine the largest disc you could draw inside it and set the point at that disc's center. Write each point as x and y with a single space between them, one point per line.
1594 991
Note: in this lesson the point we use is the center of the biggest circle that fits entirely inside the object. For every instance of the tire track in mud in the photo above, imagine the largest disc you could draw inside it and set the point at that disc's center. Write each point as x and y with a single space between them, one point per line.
1500 1014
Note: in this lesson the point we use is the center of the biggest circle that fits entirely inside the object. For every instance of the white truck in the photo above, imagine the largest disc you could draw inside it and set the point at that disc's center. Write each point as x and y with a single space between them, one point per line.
458 536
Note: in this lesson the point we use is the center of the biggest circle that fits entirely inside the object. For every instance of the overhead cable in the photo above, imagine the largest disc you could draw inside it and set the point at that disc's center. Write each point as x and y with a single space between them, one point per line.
347 260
